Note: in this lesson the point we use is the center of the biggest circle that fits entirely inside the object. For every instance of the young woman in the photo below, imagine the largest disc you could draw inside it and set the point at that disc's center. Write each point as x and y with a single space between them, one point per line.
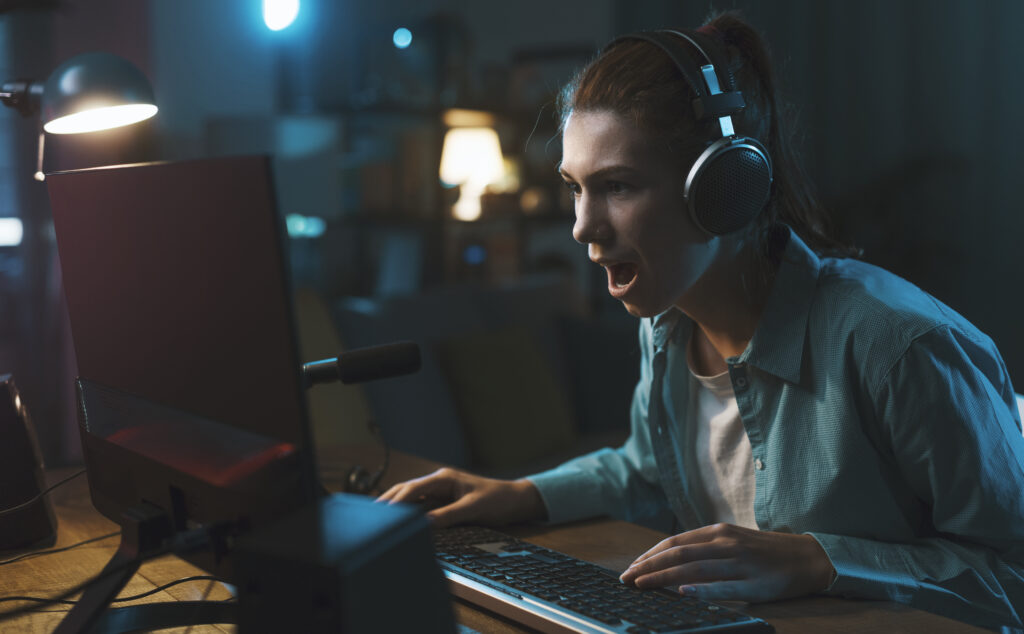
813 423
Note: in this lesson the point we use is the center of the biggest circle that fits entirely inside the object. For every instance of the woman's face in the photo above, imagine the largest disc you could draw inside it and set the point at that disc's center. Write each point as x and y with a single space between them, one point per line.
631 214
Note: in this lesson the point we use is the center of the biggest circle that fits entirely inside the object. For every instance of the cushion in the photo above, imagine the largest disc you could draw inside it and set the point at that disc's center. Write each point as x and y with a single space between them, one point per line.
512 406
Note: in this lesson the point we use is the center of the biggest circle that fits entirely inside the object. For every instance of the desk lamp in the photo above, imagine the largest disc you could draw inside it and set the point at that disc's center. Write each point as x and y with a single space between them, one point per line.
87 93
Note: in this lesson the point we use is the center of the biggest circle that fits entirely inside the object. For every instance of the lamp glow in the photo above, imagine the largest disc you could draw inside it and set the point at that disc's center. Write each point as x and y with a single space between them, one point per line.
279 14
471 158
402 38
95 91
11 232
102 118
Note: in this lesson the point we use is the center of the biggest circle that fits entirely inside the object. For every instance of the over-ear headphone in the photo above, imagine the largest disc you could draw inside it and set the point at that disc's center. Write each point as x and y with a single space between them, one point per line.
729 183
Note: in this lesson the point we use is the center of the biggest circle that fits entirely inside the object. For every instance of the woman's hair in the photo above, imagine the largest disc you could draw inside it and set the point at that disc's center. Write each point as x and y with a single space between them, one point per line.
637 80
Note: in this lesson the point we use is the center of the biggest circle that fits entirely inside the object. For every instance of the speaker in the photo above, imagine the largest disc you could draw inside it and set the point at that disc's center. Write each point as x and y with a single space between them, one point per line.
731 180
342 564
21 477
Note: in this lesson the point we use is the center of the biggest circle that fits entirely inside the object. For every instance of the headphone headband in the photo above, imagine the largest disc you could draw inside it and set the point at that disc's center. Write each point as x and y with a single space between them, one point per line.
716 96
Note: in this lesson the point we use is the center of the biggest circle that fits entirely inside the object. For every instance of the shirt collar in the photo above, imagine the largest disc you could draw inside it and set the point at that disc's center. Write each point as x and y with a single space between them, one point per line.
778 343
665 327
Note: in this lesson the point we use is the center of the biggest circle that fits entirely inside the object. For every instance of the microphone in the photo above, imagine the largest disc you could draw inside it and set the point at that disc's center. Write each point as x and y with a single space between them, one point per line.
364 364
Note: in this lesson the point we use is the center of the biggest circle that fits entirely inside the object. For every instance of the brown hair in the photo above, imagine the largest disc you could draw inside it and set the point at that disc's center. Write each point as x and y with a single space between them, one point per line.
637 80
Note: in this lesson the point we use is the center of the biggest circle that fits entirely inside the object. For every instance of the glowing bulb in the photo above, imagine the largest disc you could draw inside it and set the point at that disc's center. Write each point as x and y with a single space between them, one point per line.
279 14
11 232
101 118
402 38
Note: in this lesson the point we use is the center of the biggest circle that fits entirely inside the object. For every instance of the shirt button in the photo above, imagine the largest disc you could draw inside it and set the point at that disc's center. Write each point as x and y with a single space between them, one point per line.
741 383
758 464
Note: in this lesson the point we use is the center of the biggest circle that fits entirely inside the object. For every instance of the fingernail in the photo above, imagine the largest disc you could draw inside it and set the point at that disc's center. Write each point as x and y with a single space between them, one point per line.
687 590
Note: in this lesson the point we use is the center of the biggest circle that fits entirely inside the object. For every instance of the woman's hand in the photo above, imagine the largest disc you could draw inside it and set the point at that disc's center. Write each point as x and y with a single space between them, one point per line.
728 562
458 497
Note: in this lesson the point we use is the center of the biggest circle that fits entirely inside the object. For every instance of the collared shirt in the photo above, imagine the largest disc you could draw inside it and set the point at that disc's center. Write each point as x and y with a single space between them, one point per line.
881 422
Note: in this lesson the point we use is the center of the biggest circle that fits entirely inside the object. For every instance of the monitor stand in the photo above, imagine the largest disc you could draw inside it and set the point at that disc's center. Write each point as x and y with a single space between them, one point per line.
144 529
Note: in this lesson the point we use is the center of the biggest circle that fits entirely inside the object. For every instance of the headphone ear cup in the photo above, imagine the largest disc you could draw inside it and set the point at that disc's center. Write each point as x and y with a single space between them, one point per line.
728 185
358 480
361 481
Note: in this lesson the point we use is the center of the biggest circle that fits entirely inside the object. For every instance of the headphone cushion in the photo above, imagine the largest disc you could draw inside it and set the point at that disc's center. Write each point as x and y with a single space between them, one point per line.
731 189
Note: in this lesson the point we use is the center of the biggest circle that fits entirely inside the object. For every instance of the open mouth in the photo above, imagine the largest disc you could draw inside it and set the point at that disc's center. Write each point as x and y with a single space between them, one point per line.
621 275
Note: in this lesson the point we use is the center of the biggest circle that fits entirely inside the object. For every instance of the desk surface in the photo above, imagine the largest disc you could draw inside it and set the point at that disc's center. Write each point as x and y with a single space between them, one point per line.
610 543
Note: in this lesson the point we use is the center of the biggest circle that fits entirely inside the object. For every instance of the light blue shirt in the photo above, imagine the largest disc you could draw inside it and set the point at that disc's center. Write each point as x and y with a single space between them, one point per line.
882 423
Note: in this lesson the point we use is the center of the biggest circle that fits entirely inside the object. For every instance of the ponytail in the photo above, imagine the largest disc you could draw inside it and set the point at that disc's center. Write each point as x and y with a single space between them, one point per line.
793 200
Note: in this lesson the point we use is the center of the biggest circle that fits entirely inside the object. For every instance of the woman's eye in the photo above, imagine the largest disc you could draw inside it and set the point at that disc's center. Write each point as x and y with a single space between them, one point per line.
616 187
574 188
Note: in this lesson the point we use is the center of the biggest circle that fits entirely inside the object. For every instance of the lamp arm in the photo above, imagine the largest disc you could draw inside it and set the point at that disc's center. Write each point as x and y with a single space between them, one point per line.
24 95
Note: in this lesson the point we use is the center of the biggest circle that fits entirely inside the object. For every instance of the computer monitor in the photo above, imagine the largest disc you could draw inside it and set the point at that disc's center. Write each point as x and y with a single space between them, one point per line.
192 410
189 393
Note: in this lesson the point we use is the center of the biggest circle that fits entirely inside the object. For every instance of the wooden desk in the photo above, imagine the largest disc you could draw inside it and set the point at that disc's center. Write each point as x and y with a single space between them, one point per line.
609 543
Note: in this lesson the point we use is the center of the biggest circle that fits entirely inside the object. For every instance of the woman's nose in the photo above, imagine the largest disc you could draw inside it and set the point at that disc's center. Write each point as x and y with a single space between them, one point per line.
591 222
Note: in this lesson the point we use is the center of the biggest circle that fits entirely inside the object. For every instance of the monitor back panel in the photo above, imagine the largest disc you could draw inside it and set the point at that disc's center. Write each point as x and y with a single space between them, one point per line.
178 292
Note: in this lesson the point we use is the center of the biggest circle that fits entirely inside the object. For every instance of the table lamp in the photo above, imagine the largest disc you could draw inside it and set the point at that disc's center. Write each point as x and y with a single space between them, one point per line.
471 158
87 93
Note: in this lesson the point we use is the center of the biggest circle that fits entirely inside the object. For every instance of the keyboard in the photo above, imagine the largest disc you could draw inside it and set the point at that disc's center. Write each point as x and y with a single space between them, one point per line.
553 592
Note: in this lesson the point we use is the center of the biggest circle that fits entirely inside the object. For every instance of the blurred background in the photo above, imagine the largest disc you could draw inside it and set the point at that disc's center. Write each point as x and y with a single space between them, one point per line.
907 116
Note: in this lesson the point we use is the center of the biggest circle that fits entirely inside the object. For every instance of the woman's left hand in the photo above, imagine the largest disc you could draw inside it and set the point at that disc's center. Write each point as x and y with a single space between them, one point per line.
726 562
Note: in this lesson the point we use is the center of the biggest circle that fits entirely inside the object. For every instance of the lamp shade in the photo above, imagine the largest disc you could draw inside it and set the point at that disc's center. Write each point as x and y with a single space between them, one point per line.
471 155
95 91
471 158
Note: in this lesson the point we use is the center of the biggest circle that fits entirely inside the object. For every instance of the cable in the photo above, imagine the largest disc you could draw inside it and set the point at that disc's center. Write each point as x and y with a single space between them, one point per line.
141 595
133 597
61 598
181 543
59 550
37 497
206 597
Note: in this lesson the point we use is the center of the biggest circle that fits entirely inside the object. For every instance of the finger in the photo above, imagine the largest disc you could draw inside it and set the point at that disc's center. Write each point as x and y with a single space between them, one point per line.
396 489
696 536
397 493
421 488
654 550
704 571
390 493
458 512
735 590
674 556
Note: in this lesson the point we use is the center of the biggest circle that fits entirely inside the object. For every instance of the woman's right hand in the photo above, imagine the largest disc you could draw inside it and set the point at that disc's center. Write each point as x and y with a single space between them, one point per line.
457 497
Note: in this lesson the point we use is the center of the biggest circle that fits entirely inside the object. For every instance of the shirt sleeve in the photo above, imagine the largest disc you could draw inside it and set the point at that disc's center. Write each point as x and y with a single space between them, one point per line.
947 407
622 482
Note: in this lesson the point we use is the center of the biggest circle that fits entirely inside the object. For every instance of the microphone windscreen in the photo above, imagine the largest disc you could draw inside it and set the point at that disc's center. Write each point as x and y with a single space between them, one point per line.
378 362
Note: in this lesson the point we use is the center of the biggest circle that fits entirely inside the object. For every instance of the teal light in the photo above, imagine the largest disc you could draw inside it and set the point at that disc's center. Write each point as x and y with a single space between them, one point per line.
300 226
402 38
279 14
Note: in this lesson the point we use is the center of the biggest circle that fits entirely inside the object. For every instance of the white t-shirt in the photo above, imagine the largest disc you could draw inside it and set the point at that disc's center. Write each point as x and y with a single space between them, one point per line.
721 451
